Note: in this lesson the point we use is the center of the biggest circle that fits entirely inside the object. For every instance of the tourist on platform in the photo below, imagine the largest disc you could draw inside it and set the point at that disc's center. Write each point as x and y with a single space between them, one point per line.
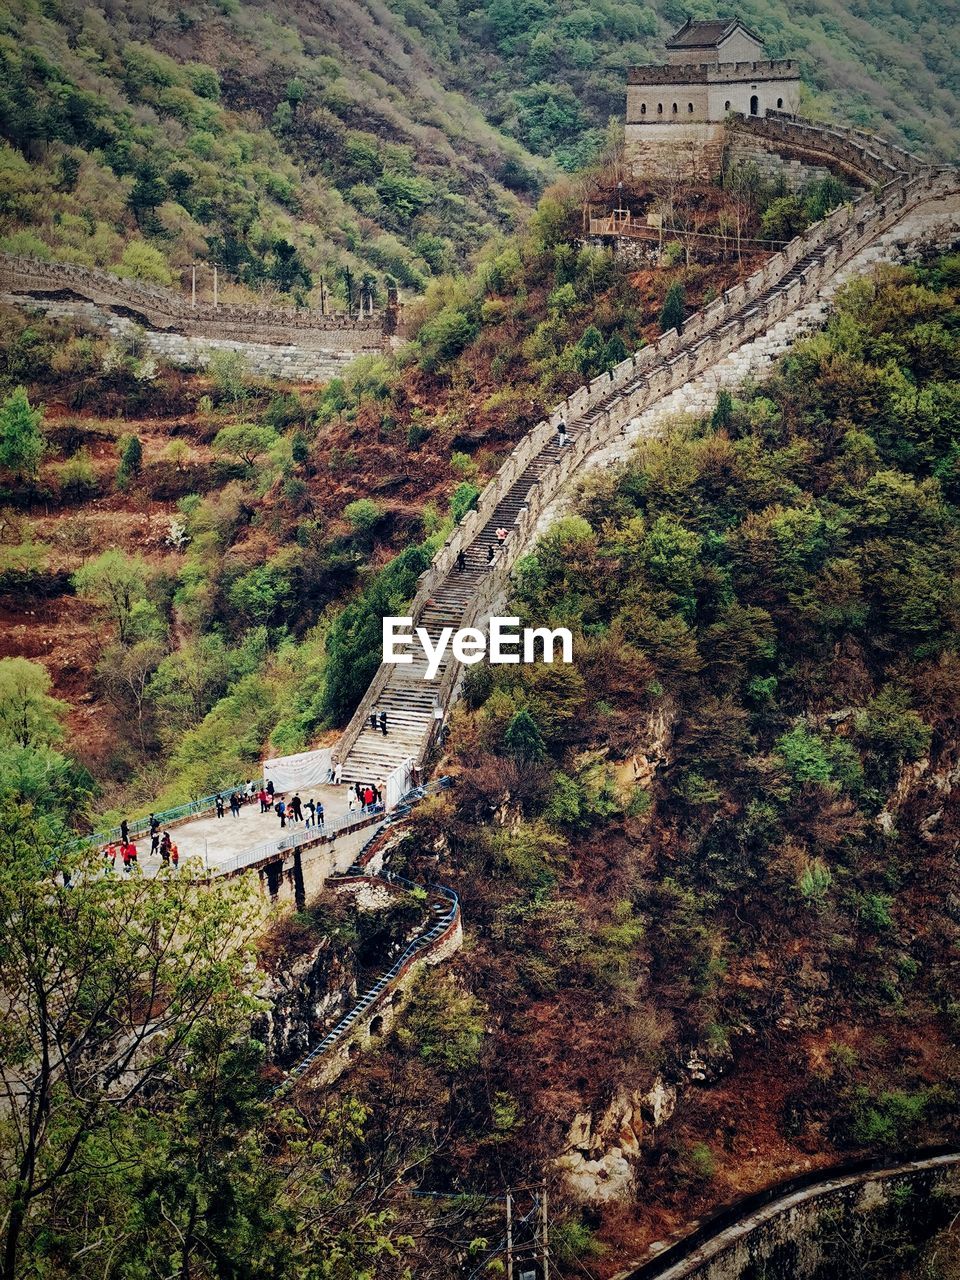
264 800
491 552
461 560
110 854
154 834
251 790
319 820
338 773
383 723
358 792
235 804
373 720
296 808
352 801
311 814
281 809
502 535
270 789
561 434
218 801
165 848
367 797
129 855
124 832
174 856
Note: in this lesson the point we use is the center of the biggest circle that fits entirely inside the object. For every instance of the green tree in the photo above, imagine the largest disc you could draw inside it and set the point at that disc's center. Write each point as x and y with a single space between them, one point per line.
363 514
141 261
109 991
131 459
21 440
674 309
523 739
228 371
29 716
117 584
246 441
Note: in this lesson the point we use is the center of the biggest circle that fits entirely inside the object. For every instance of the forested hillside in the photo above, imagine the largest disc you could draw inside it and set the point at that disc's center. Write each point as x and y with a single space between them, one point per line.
284 142
708 871
552 71
359 141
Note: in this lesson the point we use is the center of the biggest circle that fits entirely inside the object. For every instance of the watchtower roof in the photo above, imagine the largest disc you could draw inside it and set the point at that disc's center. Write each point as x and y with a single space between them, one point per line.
707 35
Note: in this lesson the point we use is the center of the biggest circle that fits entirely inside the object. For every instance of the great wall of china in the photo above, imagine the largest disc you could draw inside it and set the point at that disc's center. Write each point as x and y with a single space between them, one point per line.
596 415
302 345
681 370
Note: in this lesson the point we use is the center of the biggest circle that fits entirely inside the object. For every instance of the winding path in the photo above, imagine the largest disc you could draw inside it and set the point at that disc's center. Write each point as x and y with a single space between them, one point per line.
538 469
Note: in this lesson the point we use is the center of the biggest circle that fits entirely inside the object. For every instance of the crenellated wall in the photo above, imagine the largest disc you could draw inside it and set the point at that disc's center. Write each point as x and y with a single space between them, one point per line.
168 312
792 1231
600 410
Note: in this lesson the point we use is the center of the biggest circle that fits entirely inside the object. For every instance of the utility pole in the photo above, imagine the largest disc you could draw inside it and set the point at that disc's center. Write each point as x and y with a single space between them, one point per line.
509 1236
527 1236
193 285
216 288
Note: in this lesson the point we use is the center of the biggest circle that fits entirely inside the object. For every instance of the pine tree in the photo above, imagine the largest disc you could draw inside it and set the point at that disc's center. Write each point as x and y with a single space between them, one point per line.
523 739
21 440
674 312
131 459
723 412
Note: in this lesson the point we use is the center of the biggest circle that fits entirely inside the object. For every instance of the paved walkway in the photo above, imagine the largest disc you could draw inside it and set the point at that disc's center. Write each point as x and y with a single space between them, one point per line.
217 841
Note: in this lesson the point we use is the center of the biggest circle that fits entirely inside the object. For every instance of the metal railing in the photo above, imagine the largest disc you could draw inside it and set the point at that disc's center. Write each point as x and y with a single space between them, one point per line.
374 994
296 839
141 826
423 941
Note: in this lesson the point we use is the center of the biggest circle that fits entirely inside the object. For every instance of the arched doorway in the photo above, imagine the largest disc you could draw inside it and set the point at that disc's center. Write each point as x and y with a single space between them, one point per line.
754 105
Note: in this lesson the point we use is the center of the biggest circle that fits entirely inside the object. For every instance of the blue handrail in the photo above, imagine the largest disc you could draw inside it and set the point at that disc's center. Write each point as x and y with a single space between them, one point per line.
141 826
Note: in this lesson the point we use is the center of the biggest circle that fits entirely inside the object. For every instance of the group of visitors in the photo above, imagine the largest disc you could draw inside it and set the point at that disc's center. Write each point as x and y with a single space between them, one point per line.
378 721
160 843
364 797
234 800
294 812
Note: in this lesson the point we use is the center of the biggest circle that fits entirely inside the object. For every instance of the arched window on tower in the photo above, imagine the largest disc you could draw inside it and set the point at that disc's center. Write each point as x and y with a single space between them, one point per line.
659 108
779 104
690 107
643 108
726 105
674 108
754 105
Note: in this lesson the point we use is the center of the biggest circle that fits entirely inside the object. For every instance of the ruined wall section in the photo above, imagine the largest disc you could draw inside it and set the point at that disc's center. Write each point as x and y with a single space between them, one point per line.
274 341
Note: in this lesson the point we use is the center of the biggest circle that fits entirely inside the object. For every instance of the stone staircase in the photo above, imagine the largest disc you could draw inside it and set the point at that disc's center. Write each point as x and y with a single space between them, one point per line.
408 699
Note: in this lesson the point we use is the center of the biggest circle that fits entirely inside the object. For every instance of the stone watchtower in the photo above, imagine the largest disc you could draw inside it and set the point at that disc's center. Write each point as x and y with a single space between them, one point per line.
675 112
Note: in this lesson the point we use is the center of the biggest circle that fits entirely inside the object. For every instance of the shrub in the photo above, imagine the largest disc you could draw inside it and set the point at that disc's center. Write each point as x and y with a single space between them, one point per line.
463 499
141 261
77 476
363 514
